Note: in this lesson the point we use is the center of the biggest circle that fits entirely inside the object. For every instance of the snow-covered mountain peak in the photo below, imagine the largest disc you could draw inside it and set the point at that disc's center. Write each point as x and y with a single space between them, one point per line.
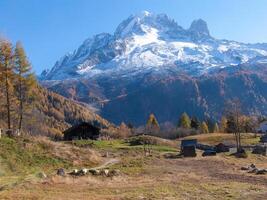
200 27
144 13
135 23
149 42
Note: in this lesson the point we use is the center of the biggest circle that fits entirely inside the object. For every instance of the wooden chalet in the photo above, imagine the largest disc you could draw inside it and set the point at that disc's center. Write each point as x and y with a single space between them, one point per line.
188 148
263 139
81 131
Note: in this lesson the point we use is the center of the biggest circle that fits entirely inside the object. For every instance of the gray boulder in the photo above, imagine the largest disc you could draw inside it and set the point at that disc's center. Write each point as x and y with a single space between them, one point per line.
82 172
61 172
114 172
94 172
245 168
261 171
104 172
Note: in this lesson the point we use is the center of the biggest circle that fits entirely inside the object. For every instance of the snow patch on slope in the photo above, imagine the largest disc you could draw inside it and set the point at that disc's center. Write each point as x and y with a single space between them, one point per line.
148 42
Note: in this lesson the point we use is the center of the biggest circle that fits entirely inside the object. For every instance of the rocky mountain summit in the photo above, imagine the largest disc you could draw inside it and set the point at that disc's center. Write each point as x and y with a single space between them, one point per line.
148 42
151 64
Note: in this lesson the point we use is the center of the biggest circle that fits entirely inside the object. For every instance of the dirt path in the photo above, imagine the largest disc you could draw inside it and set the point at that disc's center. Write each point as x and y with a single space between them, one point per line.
107 163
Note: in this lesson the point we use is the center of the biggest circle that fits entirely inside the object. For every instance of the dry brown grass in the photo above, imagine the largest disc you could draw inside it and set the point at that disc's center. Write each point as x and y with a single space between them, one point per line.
79 156
215 138
155 177
192 178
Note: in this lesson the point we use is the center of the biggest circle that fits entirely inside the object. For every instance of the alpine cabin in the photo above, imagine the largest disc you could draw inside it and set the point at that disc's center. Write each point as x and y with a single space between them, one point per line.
82 131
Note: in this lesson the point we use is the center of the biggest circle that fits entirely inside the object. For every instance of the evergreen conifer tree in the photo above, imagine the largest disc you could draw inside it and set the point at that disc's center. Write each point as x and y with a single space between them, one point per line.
195 123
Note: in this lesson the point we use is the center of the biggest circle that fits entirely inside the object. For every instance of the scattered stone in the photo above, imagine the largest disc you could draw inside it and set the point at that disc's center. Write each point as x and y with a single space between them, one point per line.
114 172
261 171
75 172
61 172
94 172
254 170
104 172
252 166
244 168
82 172
85 171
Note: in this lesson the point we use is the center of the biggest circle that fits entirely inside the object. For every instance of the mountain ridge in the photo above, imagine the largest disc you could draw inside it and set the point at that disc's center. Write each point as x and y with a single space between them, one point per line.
125 75
154 42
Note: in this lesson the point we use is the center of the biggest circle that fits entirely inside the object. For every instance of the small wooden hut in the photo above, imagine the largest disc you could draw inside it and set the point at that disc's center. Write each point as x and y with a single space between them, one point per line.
263 139
188 148
81 131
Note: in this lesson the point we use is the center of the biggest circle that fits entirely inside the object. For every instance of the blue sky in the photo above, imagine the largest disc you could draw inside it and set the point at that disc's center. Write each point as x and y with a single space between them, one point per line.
50 28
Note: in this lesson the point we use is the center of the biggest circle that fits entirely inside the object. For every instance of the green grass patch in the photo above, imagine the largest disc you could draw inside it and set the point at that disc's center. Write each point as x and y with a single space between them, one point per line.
101 144
115 145
21 155
21 158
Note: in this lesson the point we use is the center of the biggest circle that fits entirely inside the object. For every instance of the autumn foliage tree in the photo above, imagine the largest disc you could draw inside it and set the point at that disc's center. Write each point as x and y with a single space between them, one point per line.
184 121
234 120
204 128
152 124
223 125
25 81
7 77
17 80
124 131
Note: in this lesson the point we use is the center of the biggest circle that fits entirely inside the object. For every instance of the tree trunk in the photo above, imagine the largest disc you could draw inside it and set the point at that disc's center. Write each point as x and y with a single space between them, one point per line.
7 100
239 138
21 115
21 103
236 140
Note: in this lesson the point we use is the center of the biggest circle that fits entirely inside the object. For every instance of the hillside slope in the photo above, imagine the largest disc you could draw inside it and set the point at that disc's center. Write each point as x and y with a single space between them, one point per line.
151 64
148 42
51 113
22 159
169 96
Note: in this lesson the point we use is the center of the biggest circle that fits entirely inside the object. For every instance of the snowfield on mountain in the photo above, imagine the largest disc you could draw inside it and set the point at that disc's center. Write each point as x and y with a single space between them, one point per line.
151 64
151 42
